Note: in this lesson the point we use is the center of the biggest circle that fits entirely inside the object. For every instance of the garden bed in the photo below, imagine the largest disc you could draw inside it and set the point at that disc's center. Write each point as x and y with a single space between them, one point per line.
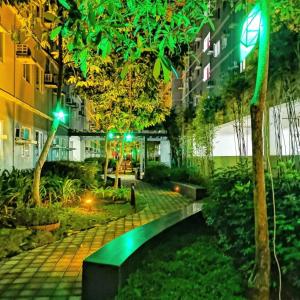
185 264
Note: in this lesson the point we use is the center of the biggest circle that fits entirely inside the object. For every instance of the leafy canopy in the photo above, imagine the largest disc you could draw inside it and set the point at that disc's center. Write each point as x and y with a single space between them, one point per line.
132 28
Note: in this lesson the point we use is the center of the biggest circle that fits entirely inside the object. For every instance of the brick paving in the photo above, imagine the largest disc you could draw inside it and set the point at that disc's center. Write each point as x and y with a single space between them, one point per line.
54 271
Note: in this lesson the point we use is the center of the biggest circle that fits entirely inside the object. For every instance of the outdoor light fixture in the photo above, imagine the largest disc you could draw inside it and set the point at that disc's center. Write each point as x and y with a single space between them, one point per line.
250 32
177 189
60 115
128 137
110 135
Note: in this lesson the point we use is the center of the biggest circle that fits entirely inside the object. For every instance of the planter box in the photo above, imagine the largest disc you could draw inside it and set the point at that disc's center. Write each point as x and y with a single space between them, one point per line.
106 270
195 192
48 227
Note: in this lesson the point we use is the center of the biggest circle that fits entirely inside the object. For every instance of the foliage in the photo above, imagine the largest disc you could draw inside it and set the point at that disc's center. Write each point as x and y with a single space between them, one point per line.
230 211
156 172
110 193
43 215
140 28
86 173
188 175
173 125
184 266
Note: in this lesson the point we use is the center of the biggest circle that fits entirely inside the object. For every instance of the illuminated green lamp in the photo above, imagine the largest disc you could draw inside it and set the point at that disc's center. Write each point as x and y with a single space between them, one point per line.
128 137
59 116
110 135
250 32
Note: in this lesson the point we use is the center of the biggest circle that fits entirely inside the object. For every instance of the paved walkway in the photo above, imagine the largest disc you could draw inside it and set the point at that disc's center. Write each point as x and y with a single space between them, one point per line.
54 271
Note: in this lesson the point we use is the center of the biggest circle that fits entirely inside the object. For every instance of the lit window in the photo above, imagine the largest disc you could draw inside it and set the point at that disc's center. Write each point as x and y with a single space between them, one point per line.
26 73
206 72
217 49
1 46
206 42
242 66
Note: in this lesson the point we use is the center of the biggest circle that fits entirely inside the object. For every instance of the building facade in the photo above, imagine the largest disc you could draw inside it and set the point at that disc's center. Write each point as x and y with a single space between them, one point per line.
28 83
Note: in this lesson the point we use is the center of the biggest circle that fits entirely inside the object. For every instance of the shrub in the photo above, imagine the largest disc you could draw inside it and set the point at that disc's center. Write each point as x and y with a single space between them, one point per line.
188 175
87 173
110 193
230 211
157 173
29 216
197 270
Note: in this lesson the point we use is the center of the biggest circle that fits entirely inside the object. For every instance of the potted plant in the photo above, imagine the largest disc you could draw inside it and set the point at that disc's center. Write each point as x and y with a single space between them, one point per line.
38 218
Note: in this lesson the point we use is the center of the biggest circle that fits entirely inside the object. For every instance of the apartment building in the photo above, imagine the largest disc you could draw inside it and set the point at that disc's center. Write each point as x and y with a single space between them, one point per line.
28 83
213 57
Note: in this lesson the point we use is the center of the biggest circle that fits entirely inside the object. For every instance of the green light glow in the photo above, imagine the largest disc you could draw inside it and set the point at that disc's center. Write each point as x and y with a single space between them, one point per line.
110 135
60 116
250 32
128 137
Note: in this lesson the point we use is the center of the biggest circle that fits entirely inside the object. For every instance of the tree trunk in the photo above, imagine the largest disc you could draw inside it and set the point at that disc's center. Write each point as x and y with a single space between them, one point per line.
118 165
50 138
261 275
106 159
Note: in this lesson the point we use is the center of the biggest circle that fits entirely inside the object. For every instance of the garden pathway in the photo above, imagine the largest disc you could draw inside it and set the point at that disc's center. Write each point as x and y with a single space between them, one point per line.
54 271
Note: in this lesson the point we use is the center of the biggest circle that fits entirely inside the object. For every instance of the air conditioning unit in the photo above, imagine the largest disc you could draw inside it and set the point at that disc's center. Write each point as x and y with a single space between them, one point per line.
210 50
50 81
198 67
23 55
234 66
198 39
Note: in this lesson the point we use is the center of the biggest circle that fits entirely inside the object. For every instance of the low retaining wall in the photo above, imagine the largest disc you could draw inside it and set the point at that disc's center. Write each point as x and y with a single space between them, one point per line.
106 270
195 192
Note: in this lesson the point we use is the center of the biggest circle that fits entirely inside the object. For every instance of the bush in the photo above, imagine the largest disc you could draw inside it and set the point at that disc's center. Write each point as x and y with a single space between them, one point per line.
29 216
87 173
188 175
196 270
230 211
157 173
110 193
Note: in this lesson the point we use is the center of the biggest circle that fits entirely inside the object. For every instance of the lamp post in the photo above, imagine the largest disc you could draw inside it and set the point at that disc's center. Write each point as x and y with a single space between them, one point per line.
256 28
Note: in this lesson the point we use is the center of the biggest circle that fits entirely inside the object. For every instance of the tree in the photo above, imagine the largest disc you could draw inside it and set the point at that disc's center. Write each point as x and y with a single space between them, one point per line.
123 105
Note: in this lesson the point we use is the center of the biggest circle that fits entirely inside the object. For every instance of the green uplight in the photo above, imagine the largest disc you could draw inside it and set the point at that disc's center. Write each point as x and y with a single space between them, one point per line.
110 135
60 116
128 137
250 32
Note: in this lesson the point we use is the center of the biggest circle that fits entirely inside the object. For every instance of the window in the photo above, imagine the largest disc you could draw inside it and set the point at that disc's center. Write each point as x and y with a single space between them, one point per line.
25 150
39 79
242 66
206 42
25 133
26 73
217 49
1 47
39 137
219 13
206 72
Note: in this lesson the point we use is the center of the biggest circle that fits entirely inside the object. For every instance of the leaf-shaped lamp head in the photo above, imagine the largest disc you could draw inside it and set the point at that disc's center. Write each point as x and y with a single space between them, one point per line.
250 32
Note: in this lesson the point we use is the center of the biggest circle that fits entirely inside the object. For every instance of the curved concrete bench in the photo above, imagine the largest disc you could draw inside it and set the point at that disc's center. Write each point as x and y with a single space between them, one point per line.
193 191
107 269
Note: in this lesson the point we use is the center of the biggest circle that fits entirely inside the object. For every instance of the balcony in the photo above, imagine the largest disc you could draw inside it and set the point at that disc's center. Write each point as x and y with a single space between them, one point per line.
24 55
50 81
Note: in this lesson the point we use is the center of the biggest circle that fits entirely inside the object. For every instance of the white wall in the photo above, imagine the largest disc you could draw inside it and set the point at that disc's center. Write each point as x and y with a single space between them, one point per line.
165 152
75 154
